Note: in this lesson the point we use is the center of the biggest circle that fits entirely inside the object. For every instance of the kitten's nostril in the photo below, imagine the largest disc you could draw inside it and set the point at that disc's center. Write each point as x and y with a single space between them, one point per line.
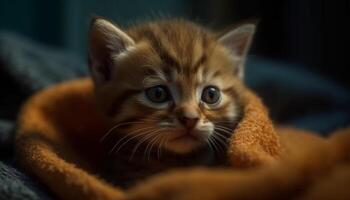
189 123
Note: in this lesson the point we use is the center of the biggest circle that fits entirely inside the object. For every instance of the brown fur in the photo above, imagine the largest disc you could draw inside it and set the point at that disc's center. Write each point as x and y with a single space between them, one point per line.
188 57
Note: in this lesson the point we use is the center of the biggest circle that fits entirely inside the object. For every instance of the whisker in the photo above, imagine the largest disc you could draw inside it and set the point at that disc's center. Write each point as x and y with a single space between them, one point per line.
150 145
223 127
217 146
138 135
119 125
154 141
220 135
141 141
221 141
213 145
145 152
209 145
144 139
225 122
223 130
160 147
130 135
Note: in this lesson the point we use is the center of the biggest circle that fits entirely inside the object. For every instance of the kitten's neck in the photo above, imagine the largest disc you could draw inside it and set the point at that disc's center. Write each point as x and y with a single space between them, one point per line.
203 156
128 166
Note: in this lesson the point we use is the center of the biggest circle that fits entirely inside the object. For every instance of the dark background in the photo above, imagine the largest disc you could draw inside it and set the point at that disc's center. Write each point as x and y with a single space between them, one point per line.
314 33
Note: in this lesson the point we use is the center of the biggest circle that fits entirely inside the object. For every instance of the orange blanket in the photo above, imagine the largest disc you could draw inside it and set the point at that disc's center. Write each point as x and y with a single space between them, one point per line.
57 141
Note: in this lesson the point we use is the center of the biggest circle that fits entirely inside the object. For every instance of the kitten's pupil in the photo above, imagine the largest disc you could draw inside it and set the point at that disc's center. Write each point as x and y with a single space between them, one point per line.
211 95
157 94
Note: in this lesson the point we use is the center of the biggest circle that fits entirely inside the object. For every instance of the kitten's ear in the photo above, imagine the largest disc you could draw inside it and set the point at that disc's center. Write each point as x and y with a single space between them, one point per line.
105 42
238 42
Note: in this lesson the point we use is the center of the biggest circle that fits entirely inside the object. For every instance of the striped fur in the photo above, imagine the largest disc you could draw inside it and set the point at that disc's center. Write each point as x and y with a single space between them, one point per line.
180 55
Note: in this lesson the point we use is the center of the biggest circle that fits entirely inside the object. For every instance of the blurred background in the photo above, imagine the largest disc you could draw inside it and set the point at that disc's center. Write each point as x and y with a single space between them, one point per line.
313 32
299 60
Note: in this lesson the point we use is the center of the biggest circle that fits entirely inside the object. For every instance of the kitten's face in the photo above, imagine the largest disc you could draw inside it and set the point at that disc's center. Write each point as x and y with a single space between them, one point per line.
170 85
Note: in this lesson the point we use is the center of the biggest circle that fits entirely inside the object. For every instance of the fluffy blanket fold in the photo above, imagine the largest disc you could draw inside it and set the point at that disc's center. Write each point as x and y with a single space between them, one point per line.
57 141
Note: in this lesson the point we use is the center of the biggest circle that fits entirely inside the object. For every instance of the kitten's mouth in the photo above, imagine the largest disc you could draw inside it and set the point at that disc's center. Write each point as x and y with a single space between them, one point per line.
187 135
184 141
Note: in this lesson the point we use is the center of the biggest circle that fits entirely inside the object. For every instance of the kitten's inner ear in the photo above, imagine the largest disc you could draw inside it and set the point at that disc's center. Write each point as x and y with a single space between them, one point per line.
105 42
238 42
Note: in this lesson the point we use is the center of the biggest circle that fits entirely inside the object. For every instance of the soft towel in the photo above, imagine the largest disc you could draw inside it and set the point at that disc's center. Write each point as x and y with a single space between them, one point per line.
64 152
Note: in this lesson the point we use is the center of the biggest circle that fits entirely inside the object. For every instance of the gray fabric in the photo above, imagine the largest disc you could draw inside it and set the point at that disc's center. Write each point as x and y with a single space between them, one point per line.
16 185
26 67
297 97
6 138
34 66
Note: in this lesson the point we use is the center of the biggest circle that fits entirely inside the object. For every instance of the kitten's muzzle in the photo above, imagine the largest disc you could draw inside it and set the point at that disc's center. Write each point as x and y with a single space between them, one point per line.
188 123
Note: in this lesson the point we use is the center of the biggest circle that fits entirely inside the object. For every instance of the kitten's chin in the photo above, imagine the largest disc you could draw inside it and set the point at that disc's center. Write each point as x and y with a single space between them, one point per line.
184 145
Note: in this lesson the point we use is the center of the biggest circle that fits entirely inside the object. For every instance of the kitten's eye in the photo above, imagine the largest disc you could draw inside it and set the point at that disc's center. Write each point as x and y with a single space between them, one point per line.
210 95
158 94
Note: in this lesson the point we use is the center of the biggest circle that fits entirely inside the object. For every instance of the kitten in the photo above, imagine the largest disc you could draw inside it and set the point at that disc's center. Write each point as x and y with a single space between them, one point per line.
171 91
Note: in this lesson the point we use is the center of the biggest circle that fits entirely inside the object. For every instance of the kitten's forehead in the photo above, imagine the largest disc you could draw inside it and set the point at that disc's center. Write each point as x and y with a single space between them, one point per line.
178 43
185 51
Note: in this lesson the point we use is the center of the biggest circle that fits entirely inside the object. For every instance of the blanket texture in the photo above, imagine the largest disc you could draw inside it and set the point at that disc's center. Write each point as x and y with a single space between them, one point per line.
26 67
58 127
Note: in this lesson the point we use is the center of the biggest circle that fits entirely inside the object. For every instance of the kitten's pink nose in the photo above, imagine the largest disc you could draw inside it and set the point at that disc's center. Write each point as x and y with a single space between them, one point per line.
189 123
